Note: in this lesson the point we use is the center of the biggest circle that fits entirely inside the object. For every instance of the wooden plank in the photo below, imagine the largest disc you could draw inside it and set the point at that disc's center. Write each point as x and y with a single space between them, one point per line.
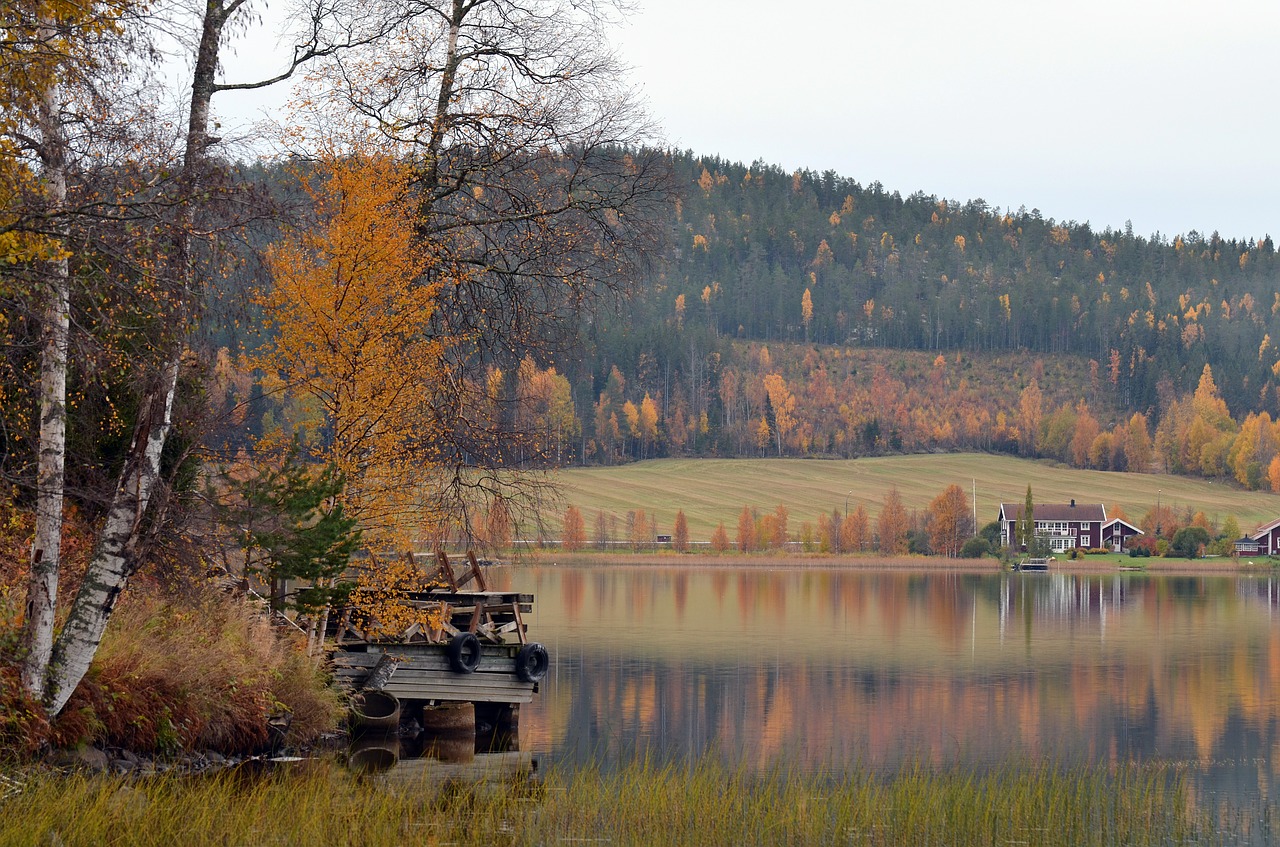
469 597
478 680
475 570
446 570
495 689
461 694
413 676
490 662
519 622
421 648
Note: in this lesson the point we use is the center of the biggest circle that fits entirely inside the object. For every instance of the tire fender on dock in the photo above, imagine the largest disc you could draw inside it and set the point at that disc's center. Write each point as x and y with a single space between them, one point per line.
464 652
532 662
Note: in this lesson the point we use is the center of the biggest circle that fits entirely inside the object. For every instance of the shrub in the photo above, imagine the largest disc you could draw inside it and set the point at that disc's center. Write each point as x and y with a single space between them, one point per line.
1144 545
1189 541
918 542
975 548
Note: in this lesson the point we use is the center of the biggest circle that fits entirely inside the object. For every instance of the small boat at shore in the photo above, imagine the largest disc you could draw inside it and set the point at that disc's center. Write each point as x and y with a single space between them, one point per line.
1032 565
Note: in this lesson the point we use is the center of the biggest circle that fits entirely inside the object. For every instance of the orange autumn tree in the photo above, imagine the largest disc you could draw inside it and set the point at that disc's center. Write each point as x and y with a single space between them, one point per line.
747 530
892 524
575 530
680 533
949 521
349 313
855 530
720 539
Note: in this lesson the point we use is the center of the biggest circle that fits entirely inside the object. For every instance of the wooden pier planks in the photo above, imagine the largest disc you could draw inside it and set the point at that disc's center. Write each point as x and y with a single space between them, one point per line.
424 673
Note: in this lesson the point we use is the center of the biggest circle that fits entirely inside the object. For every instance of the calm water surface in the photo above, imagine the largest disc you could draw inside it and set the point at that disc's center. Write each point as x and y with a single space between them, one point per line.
828 668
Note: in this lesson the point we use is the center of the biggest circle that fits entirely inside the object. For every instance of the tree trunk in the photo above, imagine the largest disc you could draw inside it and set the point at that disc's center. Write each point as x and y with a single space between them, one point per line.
114 560
46 548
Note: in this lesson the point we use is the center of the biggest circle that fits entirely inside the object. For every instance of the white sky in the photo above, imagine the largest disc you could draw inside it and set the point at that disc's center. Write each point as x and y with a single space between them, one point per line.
1104 111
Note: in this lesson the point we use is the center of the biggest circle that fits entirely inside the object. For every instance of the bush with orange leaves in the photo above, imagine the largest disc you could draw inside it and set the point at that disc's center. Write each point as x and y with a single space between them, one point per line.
380 606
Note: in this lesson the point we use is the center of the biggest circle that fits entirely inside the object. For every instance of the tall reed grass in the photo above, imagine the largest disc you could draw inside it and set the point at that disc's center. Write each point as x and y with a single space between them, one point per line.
203 671
323 805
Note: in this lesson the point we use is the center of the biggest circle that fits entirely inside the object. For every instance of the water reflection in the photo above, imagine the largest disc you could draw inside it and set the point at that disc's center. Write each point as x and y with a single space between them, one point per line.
824 668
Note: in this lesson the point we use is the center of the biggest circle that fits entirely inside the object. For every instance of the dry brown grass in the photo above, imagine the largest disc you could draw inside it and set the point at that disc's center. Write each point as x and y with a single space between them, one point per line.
181 666
202 673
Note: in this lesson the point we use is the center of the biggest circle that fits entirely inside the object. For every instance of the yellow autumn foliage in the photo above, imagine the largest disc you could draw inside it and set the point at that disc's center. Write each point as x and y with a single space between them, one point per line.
349 311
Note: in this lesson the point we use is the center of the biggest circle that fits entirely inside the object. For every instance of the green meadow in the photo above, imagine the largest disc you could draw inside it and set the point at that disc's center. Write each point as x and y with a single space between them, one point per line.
711 491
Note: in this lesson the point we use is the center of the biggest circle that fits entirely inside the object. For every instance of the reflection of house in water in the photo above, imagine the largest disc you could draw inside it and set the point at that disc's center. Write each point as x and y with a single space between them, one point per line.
1063 597
1067 526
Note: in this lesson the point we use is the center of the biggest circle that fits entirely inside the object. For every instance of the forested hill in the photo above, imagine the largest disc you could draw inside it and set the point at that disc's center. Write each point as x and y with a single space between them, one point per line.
804 314
922 273
762 257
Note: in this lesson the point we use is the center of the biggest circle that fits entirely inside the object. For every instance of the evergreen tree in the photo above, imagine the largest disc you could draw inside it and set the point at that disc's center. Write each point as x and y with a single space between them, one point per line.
1026 530
293 527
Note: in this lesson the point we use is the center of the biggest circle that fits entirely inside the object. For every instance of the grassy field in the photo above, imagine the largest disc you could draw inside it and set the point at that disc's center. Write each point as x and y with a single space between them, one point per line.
714 490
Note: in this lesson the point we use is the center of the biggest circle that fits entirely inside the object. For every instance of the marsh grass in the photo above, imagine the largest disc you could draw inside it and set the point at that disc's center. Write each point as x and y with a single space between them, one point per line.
322 804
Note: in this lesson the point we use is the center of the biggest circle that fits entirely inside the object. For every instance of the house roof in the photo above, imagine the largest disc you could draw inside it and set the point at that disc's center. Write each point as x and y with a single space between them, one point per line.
1056 511
1126 523
1263 530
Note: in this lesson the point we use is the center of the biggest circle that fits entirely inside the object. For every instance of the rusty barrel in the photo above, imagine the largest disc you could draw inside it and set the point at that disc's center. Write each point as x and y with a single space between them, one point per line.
374 712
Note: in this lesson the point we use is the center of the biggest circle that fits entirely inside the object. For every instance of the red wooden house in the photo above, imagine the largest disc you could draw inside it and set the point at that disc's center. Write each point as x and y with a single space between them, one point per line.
1267 538
1066 526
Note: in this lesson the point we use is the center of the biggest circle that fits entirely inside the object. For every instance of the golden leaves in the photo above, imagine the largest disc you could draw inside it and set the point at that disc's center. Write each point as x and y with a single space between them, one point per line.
350 309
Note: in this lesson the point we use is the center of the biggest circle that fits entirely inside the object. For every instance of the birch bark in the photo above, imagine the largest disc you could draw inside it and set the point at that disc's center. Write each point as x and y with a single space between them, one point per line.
114 559
46 547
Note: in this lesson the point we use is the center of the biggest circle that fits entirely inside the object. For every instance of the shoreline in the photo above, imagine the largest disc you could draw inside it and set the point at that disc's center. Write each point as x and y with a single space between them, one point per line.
825 561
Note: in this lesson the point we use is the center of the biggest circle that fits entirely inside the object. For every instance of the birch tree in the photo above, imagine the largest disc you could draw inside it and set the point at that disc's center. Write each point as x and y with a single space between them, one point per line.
116 554
56 57
529 186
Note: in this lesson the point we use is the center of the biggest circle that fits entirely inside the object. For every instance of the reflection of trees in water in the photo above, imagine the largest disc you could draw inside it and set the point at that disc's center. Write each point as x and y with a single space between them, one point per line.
1107 668
769 709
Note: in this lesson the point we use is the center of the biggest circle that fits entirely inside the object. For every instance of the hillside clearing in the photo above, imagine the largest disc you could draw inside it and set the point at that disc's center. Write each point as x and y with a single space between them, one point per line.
711 491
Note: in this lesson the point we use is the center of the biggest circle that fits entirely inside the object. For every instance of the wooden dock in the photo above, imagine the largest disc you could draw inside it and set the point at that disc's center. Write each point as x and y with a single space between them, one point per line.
475 650
424 673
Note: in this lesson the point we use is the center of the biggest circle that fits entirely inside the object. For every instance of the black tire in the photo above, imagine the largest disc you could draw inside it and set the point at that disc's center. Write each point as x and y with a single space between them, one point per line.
532 662
464 652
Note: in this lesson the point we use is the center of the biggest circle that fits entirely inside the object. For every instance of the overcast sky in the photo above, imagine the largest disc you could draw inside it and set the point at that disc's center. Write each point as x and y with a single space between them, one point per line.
1104 111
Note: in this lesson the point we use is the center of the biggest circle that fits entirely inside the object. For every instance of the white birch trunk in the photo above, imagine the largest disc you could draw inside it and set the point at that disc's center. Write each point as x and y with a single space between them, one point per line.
113 560
46 547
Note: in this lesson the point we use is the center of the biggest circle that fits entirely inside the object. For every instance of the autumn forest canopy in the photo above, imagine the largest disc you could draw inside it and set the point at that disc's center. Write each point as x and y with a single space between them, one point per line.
802 314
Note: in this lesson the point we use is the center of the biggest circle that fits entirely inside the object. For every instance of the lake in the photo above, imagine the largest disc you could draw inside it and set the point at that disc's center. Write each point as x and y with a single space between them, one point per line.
825 669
